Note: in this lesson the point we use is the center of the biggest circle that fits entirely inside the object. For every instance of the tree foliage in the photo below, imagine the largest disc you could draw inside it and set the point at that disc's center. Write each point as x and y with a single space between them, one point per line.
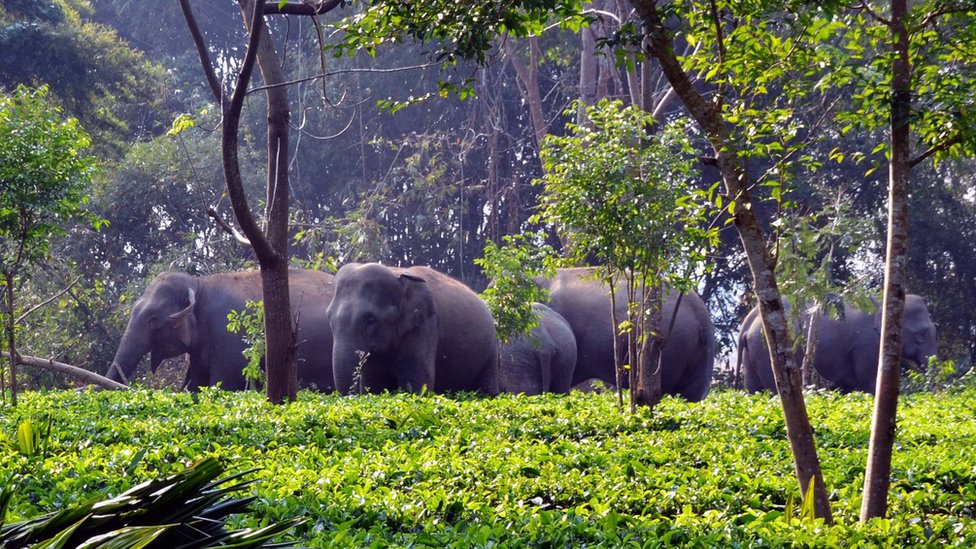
628 199
512 269
112 89
45 176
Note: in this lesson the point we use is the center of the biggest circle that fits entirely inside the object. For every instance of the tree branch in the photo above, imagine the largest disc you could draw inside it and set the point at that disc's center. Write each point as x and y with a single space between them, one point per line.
80 373
27 313
874 15
301 8
933 150
202 51
226 227
229 144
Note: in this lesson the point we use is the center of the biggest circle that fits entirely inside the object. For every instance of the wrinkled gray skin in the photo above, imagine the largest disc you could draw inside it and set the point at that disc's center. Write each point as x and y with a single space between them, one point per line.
165 324
541 361
847 350
419 327
689 350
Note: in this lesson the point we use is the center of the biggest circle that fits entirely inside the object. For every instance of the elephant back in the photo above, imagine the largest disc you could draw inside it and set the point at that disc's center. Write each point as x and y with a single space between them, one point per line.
688 355
309 293
466 334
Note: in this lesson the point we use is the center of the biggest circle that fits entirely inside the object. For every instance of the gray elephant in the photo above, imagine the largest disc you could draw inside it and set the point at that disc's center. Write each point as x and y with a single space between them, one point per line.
183 314
688 357
542 360
410 328
846 351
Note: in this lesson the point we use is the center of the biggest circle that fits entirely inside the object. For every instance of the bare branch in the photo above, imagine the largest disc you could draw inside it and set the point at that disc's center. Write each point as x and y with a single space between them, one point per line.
226 227
26 313
202 51
80 373
334 73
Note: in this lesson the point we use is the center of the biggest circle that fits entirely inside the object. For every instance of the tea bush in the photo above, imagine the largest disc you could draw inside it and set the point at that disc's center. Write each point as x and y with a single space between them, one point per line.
547 471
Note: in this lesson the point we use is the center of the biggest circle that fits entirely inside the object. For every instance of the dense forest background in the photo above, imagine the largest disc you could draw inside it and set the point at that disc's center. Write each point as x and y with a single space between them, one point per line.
385 168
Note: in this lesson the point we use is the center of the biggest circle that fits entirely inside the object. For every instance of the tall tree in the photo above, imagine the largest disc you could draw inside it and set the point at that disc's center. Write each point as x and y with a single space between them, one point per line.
729 157
917 97
270 245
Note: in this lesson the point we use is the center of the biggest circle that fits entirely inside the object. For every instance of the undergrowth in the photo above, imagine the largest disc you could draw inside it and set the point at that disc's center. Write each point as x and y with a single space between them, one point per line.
548 471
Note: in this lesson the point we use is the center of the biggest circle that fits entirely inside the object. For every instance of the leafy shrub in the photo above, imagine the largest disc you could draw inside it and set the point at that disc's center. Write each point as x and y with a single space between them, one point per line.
186 509
545 471
250 324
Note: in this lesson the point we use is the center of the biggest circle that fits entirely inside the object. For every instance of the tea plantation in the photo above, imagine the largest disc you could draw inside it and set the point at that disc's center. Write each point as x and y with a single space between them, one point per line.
552 471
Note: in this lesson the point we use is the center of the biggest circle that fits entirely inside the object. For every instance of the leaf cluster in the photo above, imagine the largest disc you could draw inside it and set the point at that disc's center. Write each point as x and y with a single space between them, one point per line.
250 324
186 509
943 73
45 174
628 197
455 31
512 270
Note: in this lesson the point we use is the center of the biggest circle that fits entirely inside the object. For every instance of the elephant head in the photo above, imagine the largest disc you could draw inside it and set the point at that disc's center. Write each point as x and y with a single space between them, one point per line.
919 336
163 324
383 329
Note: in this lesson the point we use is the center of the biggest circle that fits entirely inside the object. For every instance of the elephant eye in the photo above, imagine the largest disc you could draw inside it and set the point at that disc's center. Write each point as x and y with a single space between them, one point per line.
153 322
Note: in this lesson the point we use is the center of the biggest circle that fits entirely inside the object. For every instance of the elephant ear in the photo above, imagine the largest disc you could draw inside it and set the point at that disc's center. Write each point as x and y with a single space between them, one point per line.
417 305
185 321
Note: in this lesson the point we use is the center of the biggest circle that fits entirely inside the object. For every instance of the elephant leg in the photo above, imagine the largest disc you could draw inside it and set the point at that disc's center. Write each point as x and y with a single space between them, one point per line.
696 382
545 370
487 381
412 375
753 382
197 375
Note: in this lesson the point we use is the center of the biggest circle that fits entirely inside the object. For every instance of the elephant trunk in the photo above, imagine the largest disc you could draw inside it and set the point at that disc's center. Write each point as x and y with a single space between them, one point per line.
130 352
347 368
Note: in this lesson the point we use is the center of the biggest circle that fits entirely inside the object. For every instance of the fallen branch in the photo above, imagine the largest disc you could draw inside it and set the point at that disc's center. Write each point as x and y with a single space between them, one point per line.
67 369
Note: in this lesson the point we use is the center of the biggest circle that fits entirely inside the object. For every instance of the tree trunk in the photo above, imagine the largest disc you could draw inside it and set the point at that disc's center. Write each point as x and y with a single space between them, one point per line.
877 476
660 45
11 339
588 72
528 77
280 367
271 249
648 391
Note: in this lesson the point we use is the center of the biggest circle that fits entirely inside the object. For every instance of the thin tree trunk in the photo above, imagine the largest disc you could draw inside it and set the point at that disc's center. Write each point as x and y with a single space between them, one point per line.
877 476
617 354
528 77
660 45
588 72
280 367
648 391
11 339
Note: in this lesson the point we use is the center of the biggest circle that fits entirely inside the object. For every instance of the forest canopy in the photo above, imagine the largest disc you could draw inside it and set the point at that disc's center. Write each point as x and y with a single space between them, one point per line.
435 180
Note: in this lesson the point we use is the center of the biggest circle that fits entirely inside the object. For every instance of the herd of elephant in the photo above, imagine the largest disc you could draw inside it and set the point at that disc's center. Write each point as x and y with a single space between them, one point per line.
374 328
